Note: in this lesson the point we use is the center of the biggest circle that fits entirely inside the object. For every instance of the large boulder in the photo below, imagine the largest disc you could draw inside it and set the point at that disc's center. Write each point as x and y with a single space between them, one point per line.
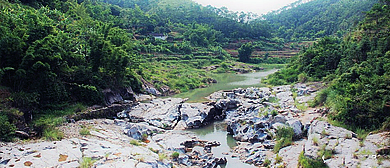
195 115
149 88
162 113
247 131
140 130
118 95
297 126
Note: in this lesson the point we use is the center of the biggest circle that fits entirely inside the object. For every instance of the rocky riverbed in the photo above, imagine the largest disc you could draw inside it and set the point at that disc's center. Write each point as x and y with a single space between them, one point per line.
155 134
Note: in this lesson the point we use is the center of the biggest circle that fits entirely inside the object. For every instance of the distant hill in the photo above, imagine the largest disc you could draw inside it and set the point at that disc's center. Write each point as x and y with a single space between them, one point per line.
317 18
231 24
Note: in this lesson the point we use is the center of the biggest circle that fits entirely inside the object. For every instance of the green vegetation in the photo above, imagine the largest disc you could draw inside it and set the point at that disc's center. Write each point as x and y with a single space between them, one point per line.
278 159
162 156
357 69
135 142
175 155
57 57
267 162
84 131
6 128
245 52
316 19
324 153
306 162
284 137
87 162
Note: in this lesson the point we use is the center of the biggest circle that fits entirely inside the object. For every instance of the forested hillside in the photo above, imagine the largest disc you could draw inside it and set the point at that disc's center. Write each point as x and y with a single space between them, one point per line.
315 19
357 68
58 55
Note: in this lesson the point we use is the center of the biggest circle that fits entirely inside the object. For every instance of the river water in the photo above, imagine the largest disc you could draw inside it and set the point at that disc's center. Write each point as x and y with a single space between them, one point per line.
217 130
226 81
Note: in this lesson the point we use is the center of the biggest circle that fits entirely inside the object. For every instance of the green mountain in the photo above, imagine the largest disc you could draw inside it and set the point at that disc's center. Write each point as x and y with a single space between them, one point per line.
357 68
318 18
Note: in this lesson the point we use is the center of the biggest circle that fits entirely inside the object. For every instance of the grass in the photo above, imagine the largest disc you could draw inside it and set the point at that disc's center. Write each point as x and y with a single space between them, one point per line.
283 138
154 150
162 157
315 140
365 152
326 154
135 142
274 113
278 159
47 121
306 162
324 133
302 107
84 131
52 134
361 132
267 162
273 100
87 162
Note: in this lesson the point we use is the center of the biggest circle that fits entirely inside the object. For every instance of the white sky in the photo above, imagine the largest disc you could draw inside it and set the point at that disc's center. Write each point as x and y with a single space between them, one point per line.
255 6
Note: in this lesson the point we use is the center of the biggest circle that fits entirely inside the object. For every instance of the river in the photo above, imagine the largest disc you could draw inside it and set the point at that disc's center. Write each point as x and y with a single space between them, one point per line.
226 81
217 130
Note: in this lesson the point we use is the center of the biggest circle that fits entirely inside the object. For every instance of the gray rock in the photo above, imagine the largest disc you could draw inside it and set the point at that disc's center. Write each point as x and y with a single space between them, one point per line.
42 154
297 127
279 119
139 130
226 104
257 158
290 154
162 113
171 140
111 97
247 131
195 115
149 88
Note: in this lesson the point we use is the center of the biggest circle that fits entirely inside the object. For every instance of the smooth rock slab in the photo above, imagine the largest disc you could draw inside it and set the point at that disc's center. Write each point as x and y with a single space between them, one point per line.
162 113
44 154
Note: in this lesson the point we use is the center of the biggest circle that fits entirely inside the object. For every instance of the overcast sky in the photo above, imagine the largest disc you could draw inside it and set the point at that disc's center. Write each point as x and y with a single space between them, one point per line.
255 6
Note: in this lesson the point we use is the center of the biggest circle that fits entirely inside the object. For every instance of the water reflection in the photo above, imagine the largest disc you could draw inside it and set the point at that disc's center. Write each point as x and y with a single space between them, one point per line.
226 81
217 132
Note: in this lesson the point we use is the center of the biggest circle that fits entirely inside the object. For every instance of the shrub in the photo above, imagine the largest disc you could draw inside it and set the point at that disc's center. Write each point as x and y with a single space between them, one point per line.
7 130
303 77
305 162
278 159
284 137
175 155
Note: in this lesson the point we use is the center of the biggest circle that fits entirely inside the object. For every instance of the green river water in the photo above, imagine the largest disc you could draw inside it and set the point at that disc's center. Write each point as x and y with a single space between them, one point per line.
226 81
217 130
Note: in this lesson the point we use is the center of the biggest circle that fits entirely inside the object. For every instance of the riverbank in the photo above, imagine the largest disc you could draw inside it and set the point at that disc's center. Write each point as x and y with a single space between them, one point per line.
155 134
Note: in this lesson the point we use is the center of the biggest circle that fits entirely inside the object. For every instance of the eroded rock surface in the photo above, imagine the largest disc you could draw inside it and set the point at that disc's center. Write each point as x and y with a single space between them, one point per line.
151 132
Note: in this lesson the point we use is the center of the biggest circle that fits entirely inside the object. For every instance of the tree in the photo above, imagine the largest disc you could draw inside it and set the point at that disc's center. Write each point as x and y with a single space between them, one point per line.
245 52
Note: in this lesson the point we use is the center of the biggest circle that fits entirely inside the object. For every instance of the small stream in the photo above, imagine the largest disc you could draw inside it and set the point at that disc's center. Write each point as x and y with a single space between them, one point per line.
217 131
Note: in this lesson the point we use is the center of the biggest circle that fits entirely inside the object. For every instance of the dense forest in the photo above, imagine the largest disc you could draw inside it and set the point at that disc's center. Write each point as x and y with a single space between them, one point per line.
357 68
60 55
316 19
